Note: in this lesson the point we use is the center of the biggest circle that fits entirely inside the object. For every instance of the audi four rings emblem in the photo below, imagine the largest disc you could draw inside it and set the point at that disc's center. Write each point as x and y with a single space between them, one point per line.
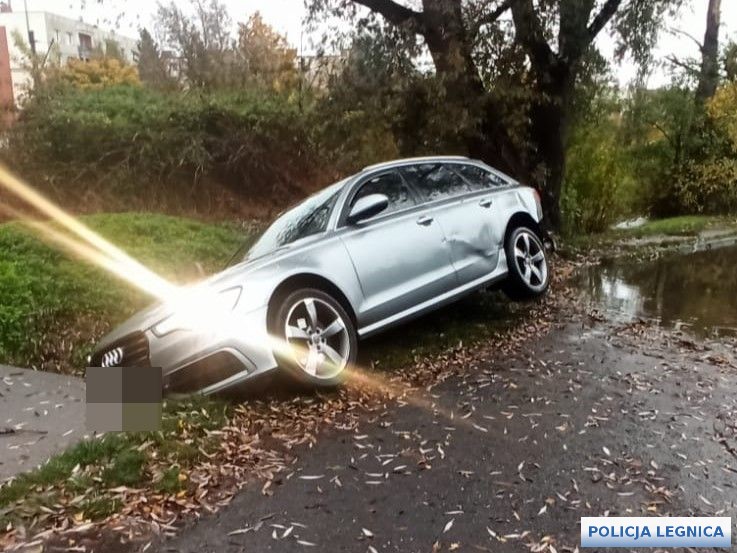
113 357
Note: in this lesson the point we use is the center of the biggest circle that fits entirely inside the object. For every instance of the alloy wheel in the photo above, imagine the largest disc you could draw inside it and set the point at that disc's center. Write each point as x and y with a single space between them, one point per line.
529 254
318 338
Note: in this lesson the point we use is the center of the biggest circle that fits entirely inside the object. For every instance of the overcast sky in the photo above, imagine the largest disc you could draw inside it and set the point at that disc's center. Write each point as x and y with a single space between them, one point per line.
286 16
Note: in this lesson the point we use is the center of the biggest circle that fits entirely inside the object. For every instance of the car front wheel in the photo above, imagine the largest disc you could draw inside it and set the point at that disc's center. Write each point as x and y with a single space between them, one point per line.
317 338
527 261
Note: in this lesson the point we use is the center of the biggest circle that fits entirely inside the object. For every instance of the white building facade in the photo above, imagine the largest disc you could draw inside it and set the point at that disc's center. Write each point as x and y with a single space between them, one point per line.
50 33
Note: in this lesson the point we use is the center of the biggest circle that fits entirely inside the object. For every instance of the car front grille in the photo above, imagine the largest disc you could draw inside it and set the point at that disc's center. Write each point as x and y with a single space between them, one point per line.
130 351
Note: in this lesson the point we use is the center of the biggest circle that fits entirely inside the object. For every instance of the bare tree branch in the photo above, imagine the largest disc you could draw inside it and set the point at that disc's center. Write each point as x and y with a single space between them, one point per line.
688 35
607 11
489 18
665 134
691 66
394 13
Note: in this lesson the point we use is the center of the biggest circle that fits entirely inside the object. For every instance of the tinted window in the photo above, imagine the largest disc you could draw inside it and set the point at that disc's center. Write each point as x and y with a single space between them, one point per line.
480 178
436 181
309 217
392 186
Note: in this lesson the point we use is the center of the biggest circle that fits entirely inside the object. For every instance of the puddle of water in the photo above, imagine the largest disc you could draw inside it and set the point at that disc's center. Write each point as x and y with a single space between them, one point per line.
698 291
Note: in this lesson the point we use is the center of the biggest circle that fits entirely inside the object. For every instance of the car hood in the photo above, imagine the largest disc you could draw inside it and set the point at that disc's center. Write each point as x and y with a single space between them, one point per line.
232 276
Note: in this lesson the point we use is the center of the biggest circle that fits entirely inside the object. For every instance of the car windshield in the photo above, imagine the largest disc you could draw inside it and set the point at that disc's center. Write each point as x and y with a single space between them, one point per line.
309 217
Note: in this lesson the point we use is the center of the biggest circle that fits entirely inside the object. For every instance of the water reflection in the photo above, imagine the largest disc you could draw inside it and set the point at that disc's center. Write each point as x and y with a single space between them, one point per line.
697 290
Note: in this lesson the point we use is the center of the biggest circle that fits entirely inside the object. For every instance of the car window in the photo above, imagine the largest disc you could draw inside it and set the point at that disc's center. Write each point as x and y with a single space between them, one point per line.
307 218
392 185
436 181
480 178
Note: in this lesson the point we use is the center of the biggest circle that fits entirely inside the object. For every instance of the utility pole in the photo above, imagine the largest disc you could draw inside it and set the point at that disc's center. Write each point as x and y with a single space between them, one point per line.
31 39
35 74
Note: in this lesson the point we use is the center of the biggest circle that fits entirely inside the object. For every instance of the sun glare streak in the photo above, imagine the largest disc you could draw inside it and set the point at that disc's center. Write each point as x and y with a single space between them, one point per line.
139 279
102 253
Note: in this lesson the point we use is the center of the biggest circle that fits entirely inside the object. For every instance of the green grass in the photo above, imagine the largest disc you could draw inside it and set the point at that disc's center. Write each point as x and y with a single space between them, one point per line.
45 293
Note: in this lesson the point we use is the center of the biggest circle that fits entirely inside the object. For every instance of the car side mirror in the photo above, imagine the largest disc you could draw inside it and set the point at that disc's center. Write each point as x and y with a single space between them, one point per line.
367 207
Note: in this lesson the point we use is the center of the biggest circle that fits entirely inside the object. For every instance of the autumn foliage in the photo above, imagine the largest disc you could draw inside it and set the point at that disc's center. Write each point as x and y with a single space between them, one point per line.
98 73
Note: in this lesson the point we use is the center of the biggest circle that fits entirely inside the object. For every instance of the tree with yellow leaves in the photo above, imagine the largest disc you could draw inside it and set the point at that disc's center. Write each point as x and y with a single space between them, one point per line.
266 57
97 73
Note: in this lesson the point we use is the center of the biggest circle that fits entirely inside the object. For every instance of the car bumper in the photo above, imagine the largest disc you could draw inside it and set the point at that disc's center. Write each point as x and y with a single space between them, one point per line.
205 361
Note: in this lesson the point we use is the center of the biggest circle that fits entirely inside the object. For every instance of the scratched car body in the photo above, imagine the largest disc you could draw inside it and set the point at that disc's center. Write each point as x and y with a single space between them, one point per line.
381 247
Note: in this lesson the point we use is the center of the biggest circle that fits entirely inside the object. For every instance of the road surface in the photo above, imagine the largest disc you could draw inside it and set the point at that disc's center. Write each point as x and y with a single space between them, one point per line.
595 418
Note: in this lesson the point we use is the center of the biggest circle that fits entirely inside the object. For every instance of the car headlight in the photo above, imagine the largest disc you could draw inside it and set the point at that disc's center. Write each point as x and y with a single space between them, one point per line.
200 310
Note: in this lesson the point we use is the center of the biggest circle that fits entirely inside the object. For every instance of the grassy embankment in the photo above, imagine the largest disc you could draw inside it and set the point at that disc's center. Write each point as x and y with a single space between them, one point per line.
657 234
48 297
53 307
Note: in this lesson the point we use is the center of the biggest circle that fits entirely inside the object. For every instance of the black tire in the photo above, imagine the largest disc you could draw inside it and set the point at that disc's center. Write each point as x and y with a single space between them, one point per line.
526 279
344 342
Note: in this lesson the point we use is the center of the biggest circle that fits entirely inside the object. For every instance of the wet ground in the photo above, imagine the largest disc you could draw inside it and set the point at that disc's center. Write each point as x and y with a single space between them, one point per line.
604 415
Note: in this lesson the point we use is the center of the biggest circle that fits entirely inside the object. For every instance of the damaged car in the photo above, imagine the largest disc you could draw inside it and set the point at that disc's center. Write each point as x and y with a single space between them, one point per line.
381 247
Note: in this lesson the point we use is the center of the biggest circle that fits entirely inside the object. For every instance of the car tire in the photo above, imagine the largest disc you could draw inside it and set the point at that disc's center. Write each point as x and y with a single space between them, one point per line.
318 339
528 270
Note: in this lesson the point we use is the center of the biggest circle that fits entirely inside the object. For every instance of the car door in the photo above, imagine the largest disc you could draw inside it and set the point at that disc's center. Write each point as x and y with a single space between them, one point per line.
465 214
400 256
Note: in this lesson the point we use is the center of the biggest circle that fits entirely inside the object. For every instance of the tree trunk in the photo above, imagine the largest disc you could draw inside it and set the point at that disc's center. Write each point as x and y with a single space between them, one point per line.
549 119
451 49
709 74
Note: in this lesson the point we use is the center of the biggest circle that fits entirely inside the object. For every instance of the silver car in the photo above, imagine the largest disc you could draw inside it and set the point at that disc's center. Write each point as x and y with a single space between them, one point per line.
374 250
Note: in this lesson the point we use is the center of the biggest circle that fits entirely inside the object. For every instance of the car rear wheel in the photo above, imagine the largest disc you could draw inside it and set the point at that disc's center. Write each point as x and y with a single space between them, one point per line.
527 261
318 338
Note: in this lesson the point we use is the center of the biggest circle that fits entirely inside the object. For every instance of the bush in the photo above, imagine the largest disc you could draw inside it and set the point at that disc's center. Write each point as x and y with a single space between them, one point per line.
722 109
97 73
709 187
706 182
684 157
131 144
598 187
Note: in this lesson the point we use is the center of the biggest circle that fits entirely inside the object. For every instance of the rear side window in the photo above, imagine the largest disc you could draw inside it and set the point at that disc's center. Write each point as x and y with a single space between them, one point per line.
436 181
392 185
480 178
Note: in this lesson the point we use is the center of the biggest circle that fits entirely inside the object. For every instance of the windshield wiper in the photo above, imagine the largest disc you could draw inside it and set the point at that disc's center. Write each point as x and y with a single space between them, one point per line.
240 252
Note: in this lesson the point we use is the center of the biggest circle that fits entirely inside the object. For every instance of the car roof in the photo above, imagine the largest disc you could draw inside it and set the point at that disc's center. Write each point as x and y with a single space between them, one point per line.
410 160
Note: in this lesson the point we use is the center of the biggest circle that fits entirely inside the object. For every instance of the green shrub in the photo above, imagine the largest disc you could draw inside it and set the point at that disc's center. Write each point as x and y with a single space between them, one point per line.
132 142
598 186
706 179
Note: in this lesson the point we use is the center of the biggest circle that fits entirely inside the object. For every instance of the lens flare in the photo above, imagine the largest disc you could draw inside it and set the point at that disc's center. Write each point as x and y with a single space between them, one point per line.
89 245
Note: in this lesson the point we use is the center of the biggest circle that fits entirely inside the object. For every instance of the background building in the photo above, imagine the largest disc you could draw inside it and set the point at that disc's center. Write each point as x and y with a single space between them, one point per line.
69 37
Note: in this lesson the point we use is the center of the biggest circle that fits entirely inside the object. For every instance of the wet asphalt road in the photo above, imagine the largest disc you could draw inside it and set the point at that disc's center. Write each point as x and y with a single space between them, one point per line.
595 418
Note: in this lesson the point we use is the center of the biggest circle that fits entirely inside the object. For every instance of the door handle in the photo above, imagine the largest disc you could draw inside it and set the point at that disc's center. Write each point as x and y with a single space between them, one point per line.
424 220
486 202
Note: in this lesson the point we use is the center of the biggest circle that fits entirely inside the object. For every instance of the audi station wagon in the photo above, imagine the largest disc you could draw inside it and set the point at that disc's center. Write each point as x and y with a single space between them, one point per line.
372 251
